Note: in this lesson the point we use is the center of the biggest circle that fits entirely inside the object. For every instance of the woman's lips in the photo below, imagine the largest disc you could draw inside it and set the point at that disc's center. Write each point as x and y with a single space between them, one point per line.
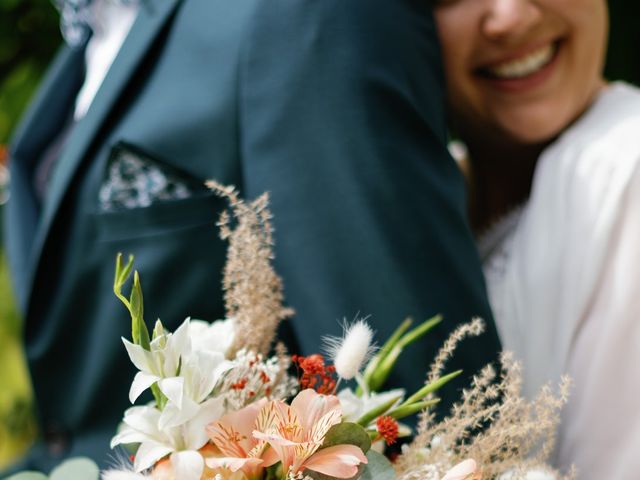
524 72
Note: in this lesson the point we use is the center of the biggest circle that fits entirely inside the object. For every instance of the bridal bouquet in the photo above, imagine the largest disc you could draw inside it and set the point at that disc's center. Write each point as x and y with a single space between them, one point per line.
230 403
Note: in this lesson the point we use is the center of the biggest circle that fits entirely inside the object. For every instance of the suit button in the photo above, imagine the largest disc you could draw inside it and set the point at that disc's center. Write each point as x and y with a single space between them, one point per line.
56 439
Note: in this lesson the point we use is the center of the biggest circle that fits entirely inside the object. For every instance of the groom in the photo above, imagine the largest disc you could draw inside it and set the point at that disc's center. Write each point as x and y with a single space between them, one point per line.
333 106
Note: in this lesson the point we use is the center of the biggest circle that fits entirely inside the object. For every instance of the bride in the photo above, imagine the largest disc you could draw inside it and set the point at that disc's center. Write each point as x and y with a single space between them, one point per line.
554 197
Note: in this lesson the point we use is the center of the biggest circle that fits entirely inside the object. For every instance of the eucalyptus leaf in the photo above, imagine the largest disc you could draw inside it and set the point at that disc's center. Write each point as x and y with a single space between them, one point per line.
377 468
27 476
76 469
347 433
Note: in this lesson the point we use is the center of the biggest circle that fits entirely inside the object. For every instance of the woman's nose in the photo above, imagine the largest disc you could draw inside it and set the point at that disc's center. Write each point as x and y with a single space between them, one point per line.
506 19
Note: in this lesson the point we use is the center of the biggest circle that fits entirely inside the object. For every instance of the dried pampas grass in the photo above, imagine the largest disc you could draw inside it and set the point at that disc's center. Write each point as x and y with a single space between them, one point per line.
253 291
508 436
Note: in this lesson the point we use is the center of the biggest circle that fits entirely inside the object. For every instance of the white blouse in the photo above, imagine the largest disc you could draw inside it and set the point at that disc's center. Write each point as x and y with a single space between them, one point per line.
563 275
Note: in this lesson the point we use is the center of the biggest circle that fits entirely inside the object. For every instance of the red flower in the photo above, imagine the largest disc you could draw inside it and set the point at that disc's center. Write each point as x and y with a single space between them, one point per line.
315 374
388 429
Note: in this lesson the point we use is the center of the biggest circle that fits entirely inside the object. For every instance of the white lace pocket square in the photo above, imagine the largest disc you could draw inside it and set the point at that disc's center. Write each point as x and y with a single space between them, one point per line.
134 180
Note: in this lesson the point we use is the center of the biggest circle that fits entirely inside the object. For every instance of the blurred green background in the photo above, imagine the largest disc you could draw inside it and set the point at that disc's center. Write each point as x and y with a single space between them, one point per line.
29 37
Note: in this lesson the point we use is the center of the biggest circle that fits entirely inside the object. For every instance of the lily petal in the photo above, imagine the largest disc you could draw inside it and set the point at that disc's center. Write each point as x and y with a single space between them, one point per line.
340 461
173 388
178 344
187 465
140 357
141 382
128 435
144 419
172 416
148 454
195 433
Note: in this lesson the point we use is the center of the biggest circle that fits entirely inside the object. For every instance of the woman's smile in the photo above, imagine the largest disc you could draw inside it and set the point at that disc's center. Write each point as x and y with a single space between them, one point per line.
521 70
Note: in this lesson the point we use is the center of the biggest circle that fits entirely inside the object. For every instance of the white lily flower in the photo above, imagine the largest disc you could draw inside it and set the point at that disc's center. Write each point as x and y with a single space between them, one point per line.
200 371
161 361
354 407
142 425
216 337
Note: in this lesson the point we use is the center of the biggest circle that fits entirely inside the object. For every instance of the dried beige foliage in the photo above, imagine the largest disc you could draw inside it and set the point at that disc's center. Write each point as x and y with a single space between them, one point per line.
253 291
472 329
492 423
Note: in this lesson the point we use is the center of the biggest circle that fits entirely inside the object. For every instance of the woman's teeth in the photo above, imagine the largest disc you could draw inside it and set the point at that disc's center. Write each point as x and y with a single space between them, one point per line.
524 66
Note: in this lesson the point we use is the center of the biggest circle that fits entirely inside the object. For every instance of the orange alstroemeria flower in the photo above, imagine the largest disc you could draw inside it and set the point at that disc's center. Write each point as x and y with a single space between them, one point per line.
296 433
163 470
239 449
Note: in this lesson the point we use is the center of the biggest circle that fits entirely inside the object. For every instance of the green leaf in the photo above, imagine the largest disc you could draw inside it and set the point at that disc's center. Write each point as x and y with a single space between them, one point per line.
274 472
419 331
123 272
347 433
384 368
430 388
372 366
76 469
378 468
139 331
371 415
135 304
27 476
120 278
406 410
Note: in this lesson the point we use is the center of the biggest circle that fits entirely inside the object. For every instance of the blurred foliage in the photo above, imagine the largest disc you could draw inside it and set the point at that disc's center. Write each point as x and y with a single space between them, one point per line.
17 424
29 36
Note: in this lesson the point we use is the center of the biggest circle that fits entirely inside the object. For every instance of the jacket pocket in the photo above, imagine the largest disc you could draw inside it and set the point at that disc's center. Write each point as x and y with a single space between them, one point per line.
161 218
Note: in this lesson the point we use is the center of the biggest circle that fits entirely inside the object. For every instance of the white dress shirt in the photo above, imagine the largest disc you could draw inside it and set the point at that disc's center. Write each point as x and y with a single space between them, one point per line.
113 20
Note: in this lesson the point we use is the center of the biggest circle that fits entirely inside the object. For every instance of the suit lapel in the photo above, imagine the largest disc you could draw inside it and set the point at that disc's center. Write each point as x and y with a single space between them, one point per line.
42 122
152 17
50 107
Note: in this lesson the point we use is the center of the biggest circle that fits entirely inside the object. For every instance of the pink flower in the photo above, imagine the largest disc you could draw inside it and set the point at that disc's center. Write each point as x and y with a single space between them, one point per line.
465 470
240 450
296 432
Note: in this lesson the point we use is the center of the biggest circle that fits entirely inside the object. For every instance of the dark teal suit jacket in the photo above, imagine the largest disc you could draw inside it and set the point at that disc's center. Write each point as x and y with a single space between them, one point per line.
333 106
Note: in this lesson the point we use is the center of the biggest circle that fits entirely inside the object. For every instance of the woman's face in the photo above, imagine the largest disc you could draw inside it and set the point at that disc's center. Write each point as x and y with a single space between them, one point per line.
523 69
